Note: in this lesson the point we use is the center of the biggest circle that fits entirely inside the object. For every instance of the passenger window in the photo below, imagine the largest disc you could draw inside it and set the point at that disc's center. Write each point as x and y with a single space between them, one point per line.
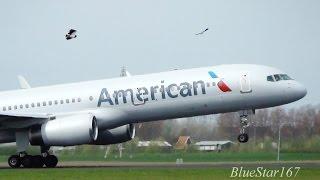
4 108
270 78
15 107
56 102
9 108
79 99
32 105
44 103
27 105
91 98
61 101
67 101
73 100
50 103
277 77
38 104
21 106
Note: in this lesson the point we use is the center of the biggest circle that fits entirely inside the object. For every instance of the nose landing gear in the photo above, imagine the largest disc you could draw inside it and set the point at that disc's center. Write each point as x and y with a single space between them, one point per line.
244 123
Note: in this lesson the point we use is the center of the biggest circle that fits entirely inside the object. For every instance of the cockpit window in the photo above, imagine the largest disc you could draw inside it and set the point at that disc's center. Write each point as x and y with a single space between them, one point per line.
270 78
277 77
285 77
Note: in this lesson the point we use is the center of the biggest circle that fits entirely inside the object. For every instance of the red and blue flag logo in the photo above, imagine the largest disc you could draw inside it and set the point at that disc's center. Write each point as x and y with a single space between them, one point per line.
221 84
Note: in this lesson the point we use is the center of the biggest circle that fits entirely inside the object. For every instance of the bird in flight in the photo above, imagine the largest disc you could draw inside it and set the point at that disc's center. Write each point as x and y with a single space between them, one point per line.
202 31
71 34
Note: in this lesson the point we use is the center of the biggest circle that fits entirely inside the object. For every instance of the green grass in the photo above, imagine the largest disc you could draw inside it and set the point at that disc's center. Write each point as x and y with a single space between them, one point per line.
127 173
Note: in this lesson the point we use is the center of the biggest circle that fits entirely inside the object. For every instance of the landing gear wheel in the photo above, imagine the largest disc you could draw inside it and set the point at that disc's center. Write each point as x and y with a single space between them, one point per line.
38 161
27 161
14 161
243 138
51 161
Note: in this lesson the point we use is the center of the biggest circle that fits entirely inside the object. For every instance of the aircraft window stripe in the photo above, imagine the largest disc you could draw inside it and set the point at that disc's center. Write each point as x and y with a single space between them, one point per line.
44 103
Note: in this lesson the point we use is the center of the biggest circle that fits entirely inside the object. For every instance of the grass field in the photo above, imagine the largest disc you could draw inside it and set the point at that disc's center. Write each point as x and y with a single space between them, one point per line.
127 173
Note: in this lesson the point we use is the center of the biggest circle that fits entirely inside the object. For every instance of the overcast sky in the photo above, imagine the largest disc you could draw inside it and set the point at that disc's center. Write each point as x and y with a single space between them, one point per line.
151 36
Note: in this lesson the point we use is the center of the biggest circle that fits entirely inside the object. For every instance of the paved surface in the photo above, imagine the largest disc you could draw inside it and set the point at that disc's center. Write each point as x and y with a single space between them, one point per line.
101 164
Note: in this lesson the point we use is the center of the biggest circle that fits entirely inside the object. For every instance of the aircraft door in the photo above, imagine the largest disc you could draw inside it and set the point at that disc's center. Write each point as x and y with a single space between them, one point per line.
245 84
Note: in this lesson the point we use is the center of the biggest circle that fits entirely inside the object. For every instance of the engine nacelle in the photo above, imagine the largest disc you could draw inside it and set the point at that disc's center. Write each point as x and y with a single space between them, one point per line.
66 131
116 135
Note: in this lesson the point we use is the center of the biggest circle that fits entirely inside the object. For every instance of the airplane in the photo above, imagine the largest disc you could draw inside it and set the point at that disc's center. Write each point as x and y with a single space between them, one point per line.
202 31
71 34
103 112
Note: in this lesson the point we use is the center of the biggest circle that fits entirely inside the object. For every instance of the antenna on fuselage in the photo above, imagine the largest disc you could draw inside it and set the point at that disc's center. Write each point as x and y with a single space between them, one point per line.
23 83
124 72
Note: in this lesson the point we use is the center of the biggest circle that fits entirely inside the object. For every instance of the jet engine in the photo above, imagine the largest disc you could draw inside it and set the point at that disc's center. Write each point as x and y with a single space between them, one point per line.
116 135
65 131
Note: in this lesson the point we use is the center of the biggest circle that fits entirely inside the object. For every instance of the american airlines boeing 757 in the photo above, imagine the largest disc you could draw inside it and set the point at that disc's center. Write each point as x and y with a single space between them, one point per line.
104 112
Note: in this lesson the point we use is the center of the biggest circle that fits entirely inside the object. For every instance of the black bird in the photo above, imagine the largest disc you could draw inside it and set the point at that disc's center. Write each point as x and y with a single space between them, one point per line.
71 34
202 31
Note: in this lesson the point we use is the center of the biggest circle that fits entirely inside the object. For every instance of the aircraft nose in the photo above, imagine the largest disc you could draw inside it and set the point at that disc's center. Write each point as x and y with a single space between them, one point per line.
297 91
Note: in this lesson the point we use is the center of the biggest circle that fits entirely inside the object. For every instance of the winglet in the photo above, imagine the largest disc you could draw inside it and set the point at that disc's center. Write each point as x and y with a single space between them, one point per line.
23 83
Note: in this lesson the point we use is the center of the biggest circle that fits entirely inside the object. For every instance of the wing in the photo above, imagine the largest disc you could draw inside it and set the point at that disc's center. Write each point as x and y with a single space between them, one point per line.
14 120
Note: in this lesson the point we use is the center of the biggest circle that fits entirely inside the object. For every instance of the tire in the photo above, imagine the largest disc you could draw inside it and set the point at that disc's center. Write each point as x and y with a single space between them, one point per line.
51 161
14 161
38 161
243 138
27 161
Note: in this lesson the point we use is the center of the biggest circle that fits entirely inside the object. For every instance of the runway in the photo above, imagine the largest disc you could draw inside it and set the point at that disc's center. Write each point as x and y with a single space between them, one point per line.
101 164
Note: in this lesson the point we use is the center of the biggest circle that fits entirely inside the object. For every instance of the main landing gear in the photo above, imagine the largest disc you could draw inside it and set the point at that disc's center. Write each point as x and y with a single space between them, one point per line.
38 161
244 123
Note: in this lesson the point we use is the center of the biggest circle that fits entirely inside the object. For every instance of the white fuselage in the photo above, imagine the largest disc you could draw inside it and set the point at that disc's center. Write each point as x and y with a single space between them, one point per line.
158 96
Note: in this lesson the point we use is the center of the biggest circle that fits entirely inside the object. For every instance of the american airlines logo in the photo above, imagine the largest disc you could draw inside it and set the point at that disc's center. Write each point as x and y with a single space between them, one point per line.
221 84
139 96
